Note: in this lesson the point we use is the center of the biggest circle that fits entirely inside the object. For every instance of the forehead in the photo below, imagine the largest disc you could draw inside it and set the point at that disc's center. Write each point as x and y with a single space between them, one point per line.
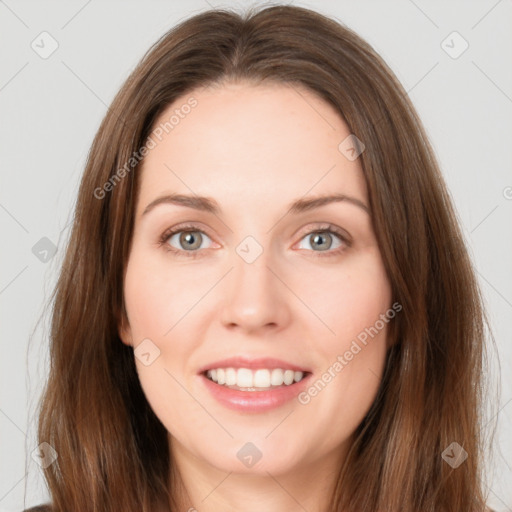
250 143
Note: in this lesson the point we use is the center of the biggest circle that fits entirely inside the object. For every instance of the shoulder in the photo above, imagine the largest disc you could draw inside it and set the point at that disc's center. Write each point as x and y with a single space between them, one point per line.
40 508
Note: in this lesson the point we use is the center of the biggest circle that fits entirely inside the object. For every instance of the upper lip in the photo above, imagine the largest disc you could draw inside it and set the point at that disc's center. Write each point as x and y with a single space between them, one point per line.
253 363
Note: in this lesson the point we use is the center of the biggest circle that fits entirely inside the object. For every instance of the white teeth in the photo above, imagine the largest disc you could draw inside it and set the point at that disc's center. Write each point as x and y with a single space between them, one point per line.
277 378
288 377
262 378
246 378
230 377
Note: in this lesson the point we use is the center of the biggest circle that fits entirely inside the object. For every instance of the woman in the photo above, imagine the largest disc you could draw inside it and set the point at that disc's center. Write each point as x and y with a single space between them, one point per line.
206 353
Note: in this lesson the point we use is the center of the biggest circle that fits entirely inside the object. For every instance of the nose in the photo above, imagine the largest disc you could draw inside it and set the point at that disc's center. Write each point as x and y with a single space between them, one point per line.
255 297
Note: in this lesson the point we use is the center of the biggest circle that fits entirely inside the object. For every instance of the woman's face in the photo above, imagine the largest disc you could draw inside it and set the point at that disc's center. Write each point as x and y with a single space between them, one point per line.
257 291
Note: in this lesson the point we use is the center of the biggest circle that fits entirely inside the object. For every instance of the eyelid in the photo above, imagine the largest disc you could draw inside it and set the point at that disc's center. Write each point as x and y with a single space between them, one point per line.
318 227
188 226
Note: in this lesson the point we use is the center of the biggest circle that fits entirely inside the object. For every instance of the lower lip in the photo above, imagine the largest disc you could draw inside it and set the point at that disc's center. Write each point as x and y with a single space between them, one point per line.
254 401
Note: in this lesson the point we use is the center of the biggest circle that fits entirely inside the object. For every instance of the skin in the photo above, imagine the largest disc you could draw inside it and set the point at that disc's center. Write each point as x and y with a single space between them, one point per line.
255 149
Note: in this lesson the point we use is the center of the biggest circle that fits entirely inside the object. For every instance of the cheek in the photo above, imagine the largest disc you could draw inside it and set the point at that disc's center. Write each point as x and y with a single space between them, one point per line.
159 294
348 299
353 304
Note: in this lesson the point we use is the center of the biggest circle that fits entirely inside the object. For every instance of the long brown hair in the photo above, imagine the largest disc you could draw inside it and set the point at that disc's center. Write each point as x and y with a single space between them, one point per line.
112 450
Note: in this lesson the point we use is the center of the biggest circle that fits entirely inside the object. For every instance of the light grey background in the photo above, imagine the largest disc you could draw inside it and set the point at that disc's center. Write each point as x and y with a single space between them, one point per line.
51 108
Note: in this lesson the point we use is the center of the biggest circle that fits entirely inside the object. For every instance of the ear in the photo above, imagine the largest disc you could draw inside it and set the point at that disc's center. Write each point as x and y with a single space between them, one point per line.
124 330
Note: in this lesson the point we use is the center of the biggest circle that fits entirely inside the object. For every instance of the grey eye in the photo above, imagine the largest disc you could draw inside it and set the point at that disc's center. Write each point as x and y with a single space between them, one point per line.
322 240
189 240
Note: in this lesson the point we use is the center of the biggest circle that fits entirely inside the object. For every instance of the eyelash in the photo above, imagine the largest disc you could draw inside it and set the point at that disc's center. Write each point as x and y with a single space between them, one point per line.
327 228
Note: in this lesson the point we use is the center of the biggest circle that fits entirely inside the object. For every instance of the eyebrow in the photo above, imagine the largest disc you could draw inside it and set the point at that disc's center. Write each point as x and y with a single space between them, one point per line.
208 204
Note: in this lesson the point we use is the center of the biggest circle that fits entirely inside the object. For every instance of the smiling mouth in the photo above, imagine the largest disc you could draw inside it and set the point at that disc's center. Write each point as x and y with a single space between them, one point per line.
245 379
